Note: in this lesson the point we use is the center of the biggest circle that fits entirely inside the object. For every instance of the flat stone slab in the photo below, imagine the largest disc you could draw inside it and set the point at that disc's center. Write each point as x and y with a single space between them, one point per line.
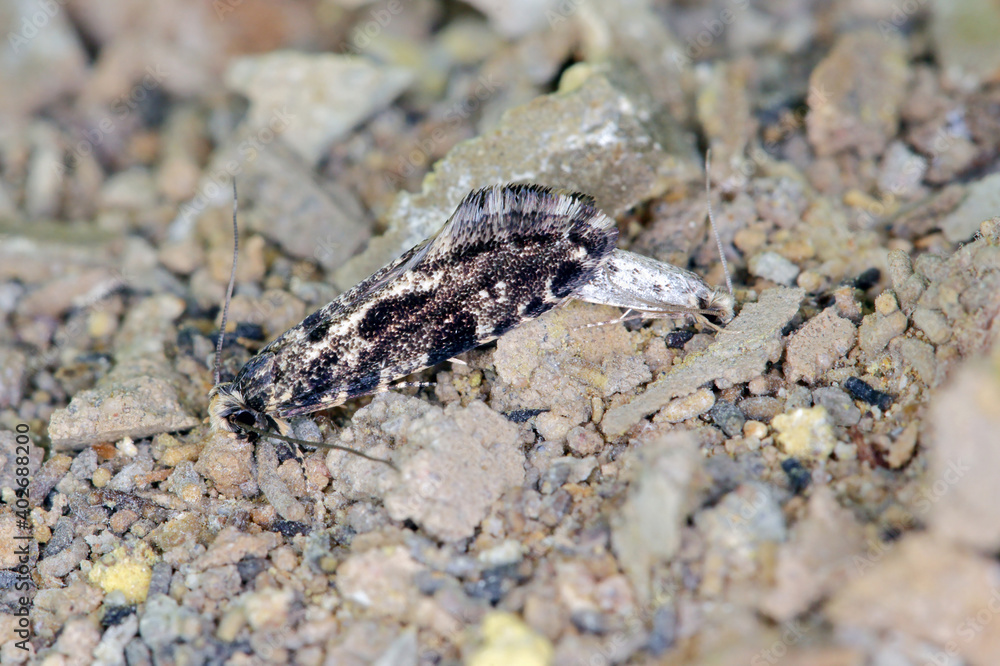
136 408
740 352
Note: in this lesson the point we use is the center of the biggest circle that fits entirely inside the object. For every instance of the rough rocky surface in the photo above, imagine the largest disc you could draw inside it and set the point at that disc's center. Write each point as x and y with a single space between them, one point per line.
815 483
960 30
313 99
887 593
471 443
646 531
860 112
981 202
139 395
741 351
601 135
815 348
963 451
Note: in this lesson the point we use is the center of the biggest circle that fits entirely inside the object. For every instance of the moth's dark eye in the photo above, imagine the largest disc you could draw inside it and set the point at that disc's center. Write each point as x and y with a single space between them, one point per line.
243 418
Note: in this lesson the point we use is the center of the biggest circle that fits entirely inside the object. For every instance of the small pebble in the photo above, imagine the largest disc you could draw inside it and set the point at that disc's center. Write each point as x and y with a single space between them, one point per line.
101 477
860 111
523 415
980 203
816 347
677 339
763 385
127 447
190 492
762 408
797 397
754 430
811 282
920 356
866 393
553 427
845 451
121 520
507 552
688 407
284 559
728 417
774 267
933 324
877 330
847 303
127 569
885 303
749 240
900 268
699 342
584 441
842 409
799 477
506 639
805 433
597 405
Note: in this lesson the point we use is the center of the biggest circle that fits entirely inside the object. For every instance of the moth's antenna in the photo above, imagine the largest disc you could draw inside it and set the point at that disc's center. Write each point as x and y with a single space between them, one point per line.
318 445
229 291
711 219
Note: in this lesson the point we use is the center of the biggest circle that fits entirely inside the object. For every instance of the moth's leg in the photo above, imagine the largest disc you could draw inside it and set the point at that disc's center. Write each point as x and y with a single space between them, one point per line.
696 316
625 316
403 385
703 321
285 450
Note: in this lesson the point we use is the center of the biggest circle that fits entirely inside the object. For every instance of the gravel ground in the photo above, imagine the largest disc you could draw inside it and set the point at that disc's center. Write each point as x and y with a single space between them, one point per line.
814 484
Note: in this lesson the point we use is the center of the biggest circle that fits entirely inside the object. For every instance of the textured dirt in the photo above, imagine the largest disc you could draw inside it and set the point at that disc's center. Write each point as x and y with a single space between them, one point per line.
813 484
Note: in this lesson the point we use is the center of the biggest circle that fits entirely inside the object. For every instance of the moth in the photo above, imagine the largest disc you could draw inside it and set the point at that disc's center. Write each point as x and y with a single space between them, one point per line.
508 254
655 289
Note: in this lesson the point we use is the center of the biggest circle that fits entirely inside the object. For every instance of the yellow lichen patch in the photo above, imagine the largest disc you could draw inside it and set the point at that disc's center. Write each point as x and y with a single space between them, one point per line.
506 639
128 569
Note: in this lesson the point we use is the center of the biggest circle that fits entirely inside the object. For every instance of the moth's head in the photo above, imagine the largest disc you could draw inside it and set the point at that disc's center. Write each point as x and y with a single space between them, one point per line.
718 304
228 411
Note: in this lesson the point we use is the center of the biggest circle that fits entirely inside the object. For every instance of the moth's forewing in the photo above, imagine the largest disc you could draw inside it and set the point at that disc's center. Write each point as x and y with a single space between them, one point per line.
508 254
